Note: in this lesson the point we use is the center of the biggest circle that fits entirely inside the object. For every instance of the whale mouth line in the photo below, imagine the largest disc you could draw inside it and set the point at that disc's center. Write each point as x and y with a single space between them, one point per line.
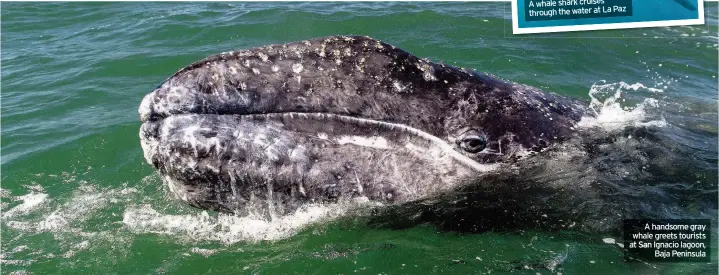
352 120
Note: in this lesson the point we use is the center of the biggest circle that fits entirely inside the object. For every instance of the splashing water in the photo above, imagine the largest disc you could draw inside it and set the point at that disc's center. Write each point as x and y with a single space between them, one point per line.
225 228
608 112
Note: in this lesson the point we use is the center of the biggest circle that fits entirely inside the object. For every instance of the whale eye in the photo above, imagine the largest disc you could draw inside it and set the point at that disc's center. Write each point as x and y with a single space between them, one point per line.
473 143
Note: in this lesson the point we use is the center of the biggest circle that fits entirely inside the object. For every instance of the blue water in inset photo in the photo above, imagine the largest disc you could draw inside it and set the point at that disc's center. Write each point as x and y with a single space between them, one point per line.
641 11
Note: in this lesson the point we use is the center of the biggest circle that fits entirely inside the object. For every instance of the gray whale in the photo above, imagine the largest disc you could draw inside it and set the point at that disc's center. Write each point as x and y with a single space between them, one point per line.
338 118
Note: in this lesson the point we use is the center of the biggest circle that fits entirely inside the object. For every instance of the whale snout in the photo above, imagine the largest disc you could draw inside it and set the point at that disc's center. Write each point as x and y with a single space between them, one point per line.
145 109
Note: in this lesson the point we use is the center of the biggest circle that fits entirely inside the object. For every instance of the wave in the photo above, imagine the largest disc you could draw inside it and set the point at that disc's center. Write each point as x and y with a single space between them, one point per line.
609 110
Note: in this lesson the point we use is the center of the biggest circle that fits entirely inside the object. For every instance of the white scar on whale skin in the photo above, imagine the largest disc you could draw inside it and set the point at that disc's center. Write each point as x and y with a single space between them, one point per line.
434 154
374 142
439 143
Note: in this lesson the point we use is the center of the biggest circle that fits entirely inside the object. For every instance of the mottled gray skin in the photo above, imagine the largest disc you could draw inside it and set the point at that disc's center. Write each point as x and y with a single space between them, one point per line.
336 118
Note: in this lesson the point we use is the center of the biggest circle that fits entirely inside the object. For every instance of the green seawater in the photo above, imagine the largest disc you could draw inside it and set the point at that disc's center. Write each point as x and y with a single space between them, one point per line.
78 197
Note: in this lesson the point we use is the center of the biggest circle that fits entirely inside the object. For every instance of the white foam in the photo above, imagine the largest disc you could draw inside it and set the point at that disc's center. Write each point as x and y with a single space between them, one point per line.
84 202
226 228
4 193
203 251
31 202
17 262
609 113
65 218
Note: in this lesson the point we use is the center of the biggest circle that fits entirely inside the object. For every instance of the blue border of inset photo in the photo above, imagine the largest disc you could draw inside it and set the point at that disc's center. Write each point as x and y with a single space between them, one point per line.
640 14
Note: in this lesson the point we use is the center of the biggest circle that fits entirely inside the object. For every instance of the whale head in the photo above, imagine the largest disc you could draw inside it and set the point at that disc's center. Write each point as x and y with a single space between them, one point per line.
338 118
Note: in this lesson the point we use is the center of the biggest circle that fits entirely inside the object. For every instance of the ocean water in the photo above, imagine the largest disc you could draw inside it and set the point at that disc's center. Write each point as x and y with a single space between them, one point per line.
78 198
